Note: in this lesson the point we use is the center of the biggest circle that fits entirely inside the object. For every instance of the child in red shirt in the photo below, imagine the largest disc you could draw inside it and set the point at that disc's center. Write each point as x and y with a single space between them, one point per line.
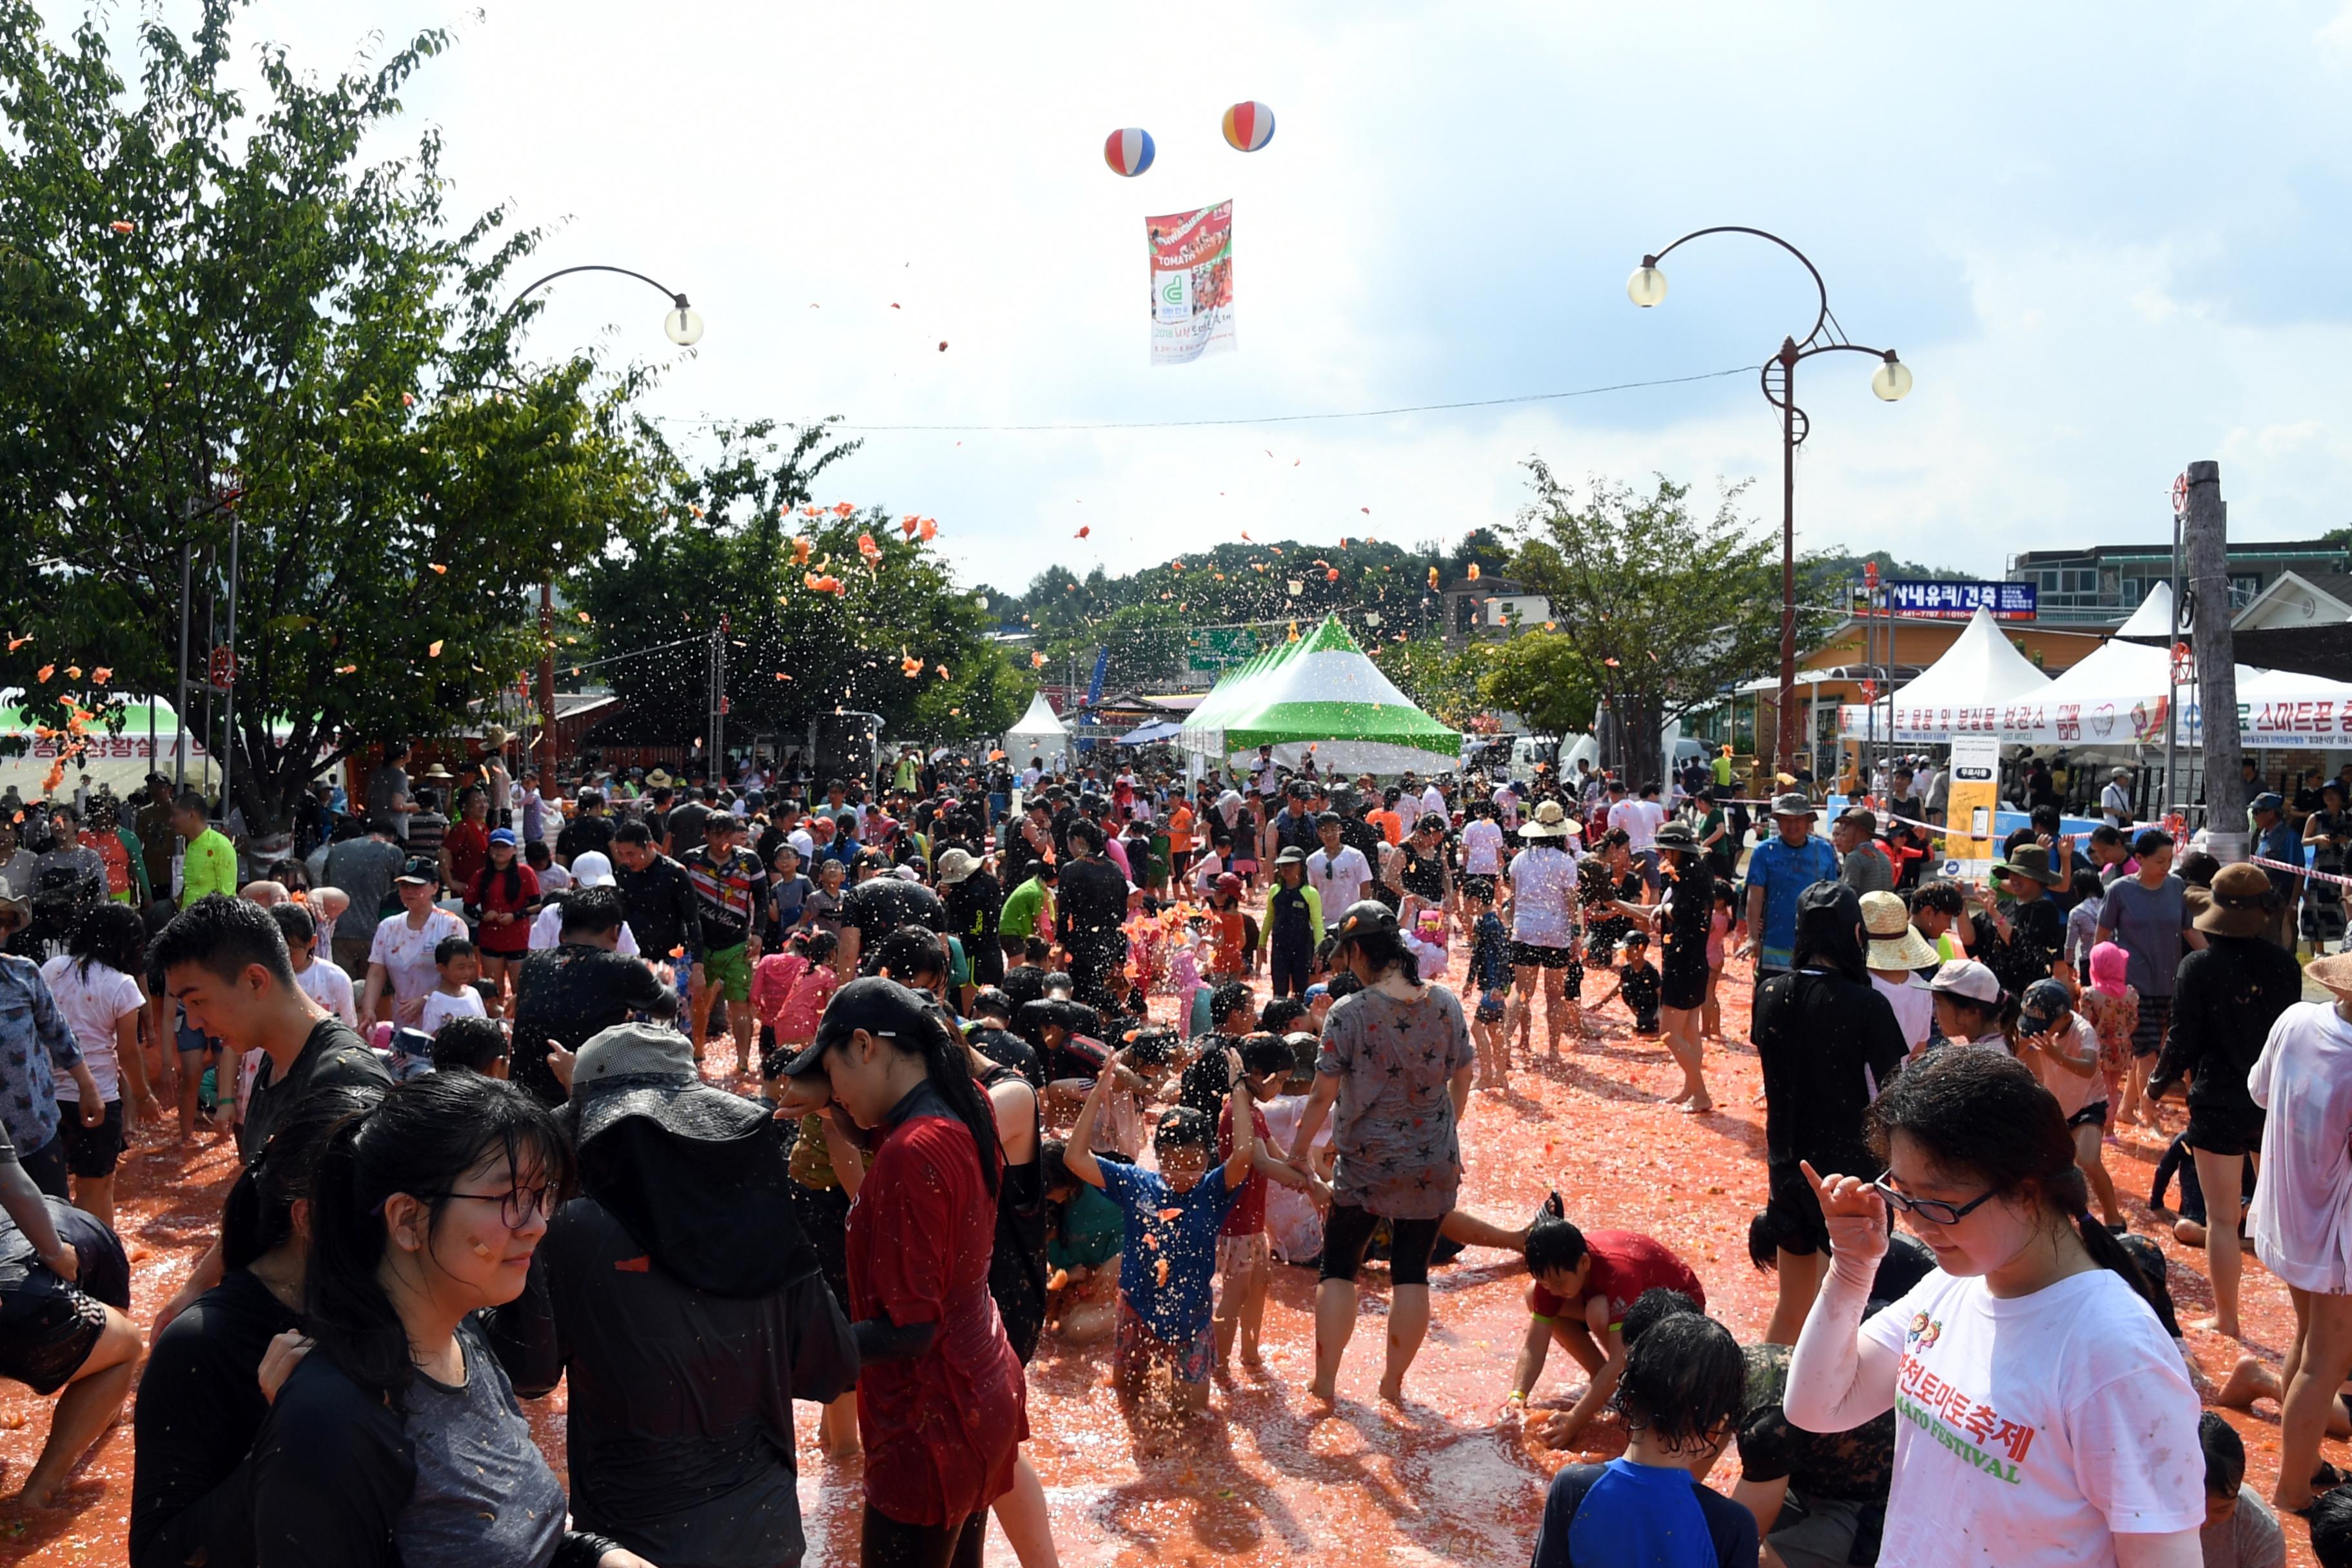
1582 1284
1245 1257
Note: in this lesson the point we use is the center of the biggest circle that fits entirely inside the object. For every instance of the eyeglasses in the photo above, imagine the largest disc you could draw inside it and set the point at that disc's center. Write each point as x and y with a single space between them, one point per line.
518 1204
1935 1210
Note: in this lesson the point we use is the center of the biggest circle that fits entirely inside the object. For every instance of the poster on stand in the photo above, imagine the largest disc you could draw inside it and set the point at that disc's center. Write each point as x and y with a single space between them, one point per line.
1191 284
1974 798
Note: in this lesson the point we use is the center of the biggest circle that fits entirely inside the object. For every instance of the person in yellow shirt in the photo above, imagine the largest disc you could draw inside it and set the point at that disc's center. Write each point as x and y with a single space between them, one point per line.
1722 768
209 863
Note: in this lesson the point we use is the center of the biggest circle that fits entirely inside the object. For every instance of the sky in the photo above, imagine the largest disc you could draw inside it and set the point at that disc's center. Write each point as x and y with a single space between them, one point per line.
2108 241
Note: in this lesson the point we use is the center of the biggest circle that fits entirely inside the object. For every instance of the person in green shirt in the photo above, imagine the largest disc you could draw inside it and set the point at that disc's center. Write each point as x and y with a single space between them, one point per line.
209 863
1722 768
1027 904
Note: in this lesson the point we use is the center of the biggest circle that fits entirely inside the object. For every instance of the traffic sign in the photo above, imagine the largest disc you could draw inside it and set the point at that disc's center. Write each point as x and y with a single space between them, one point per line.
221 669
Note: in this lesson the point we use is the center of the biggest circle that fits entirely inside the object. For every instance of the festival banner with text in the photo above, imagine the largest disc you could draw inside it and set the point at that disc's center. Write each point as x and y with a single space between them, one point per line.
1191 284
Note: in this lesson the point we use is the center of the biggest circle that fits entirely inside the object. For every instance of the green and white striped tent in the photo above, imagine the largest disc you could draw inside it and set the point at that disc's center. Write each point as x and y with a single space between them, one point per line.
1321 696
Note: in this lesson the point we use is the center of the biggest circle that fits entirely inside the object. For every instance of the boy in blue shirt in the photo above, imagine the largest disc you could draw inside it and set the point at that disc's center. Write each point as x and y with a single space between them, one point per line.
1490 976
1168 1260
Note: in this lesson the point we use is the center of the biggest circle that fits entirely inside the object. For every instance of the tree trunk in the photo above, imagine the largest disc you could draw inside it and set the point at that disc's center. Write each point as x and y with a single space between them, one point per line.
1642 717
2205 541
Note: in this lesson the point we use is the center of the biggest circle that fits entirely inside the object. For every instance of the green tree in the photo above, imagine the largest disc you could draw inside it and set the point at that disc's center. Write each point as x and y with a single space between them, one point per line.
1441 682
1664 608
201 298
1542 677
740 538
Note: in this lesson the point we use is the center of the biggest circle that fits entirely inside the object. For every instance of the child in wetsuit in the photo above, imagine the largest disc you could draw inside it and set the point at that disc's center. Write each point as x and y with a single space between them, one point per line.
1638 982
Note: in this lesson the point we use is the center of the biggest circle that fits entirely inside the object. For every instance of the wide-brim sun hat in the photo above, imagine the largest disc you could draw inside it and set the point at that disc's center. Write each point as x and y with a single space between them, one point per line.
1793 805
2238 903
2031 860
2334 972
1550 820
1895 943
1675 836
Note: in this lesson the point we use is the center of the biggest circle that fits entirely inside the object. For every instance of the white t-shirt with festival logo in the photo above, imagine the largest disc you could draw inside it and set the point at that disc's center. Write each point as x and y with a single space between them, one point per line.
2030 1430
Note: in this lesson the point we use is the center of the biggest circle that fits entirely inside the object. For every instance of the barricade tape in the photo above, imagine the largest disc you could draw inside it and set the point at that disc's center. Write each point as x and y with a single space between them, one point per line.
2317 876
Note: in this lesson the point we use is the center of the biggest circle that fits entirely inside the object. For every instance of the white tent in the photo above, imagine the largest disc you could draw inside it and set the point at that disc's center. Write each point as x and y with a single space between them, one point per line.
118 760
1982 686
1040 733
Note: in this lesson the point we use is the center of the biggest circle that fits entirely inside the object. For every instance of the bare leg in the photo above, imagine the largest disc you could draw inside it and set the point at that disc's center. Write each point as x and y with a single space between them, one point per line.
739 1021
1710 1012
1522 1008
1408 1326
1021 1515
2318 1363
1801 1282
192 1069
1254 1314
702 995
2090 1154
1335 1324
1682 1039
1227 1321
2252 1379
89 1404
2222 1176
94 1195
1560 1014
836 1427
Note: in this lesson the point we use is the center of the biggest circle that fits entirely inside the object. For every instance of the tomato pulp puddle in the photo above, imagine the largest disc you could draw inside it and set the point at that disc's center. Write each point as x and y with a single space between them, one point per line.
1270 1478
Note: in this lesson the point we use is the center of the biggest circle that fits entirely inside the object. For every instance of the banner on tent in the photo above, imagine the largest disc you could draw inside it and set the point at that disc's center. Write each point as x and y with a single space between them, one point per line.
1191 283
1960 600
2264 724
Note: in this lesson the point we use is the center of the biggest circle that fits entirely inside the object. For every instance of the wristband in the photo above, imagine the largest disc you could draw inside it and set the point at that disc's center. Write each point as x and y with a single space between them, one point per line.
1518 1396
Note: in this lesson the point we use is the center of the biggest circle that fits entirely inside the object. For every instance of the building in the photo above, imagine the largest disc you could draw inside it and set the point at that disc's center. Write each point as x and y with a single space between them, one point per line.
1489 608
2104 583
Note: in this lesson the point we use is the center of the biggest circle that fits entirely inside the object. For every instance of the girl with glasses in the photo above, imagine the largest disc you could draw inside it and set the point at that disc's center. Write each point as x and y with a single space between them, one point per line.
2046 1416
397 1438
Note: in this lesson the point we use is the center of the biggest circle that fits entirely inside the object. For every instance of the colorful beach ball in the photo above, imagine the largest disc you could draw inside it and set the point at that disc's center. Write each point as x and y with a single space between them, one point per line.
1127 151
1248 126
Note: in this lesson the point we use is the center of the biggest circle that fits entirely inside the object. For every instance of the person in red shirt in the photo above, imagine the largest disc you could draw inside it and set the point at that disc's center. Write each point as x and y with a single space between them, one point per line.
942 1408
466 848
1582 1285
503 900
1244 1257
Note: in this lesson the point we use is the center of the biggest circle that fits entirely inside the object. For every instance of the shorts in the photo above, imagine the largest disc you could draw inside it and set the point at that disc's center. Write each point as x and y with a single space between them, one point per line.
1238 1255
1191 1361
728 971
91 1152
2155 1016
46 1167
1347 1230
1490 1007
1823 1533
2091 1115
823 1215
1793 1215
47 1329
1684 989
2217 1130
1534 955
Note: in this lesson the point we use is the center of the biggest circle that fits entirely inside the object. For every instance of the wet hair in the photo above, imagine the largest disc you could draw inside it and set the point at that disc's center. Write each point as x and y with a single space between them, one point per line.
1084 831
1183 1127
634 832
1651 1307
473 1043
451 947
224 937
1276 1016
1482 889
1633 938
1554 1245
1343 984
1386 953
1265 1052
2148 840
2225 1455
1154 1047
591 911
294 923
947 1064
535 854
1943 895
1228 1001
2087 885
111 934
818 946
2331 1528
421 1138
1985 1113
911 951
258 1216
2196 868
1683 1381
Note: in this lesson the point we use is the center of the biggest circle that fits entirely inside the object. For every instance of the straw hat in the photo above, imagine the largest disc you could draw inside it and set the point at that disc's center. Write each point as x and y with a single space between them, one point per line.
2238 903
495 738
1549 820
1893 944
2334 971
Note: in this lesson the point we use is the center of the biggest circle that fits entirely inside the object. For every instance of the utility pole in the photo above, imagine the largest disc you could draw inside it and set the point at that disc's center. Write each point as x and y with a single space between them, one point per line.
2204 531
547 685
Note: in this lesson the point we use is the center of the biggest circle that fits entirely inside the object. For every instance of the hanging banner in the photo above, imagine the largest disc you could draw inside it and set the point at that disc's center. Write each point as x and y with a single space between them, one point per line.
1191 284
1974 799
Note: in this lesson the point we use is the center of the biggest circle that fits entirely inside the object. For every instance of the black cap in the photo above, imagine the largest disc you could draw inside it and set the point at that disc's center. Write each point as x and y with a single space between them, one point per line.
874 1004
420 868
1329 819
1366 916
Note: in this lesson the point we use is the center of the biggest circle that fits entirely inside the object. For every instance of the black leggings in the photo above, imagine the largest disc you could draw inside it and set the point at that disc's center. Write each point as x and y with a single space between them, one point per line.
1290 969
1348 1231
887 1543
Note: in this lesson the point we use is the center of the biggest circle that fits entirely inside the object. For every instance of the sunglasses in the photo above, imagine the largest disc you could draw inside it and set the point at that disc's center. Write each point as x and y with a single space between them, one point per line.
1935 1210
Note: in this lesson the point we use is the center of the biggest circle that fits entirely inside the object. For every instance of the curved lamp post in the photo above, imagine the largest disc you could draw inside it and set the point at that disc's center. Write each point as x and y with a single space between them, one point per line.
682 324
1891 381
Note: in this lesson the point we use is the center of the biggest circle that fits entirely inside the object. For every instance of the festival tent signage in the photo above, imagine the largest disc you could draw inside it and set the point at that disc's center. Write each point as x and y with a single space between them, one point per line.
1982 686
1322 697
120 762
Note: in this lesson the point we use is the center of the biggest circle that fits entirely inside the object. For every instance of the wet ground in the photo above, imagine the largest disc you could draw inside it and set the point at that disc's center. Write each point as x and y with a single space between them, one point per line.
1273 1482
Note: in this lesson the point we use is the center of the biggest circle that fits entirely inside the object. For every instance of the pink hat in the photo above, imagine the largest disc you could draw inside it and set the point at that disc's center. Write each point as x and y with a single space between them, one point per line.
2109 964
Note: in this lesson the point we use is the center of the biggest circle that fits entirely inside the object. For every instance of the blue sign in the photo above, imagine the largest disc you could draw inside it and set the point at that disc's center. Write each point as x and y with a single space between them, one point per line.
1958 601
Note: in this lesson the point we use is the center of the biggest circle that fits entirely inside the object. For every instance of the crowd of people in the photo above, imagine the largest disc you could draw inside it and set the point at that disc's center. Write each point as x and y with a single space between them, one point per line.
703 1095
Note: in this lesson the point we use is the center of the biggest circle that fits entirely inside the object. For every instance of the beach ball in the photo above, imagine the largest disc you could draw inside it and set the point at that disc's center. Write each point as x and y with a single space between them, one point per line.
1248 126
1127 151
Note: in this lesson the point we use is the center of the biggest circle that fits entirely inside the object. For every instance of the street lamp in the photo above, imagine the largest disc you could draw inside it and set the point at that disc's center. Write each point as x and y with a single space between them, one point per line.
682 324
1891 382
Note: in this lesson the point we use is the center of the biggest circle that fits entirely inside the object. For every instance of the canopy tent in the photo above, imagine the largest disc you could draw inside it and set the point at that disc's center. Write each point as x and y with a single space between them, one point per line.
1319 696
117 762
1040 733
1982 686
1148 735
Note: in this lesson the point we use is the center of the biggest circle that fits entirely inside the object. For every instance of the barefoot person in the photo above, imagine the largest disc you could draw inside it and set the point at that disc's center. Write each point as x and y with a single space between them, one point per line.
2078 1439
1397 1063
2301 1220
2224 1001
1543 927
1683 915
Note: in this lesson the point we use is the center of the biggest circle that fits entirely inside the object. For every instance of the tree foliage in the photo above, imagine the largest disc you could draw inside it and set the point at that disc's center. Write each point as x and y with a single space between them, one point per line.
1664 608
740 537
200 297
1543 678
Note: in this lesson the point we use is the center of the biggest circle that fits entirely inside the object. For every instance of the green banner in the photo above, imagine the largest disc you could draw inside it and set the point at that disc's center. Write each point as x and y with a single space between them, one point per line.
1207 652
